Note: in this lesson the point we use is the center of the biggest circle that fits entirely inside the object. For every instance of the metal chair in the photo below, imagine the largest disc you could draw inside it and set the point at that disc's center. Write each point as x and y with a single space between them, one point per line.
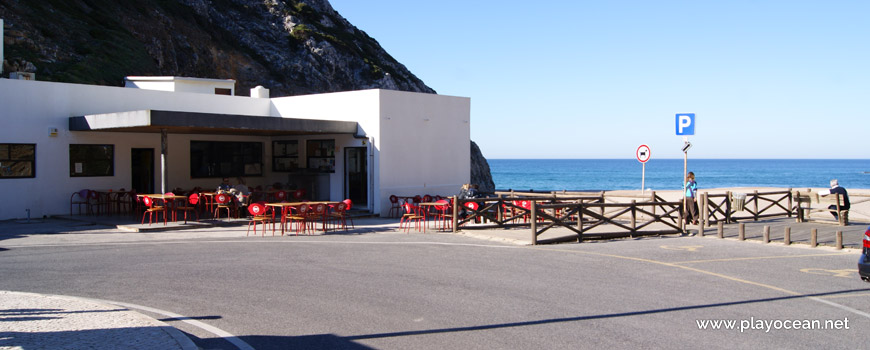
151 209
259 215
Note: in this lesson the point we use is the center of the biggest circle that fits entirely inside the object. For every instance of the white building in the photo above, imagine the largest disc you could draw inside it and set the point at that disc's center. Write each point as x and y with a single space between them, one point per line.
162 133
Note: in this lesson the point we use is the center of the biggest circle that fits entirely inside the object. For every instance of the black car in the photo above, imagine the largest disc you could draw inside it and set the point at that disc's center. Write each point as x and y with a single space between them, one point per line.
864 262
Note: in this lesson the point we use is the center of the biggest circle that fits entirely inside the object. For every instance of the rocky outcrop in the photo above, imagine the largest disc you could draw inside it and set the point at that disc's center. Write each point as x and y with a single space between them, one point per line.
480 173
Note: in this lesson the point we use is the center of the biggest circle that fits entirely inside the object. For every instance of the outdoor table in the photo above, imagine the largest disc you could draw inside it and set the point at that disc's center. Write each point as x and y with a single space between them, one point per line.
285 207
426 213
168 201
208 199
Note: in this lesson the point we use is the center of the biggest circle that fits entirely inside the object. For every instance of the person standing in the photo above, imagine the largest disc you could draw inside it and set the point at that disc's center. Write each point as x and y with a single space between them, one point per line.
691 192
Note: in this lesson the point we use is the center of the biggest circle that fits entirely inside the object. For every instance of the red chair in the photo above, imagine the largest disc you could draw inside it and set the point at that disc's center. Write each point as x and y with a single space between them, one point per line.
224 202
339 215
78 198
444 214
300 217
474 206
259 214
280 196
318 214
427 199
394 206
120 202
191 205
94 202
151 209
412 213
299 195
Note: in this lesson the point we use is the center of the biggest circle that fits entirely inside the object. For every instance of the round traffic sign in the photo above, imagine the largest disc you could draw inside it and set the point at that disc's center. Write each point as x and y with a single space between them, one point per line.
643 153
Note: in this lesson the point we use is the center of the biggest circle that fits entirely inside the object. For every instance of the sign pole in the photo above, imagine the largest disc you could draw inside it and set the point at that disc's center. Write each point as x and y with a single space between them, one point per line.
643 154
642 179
685 127
685 173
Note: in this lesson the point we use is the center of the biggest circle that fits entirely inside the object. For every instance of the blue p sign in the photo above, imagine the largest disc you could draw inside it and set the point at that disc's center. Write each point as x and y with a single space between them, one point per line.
685 124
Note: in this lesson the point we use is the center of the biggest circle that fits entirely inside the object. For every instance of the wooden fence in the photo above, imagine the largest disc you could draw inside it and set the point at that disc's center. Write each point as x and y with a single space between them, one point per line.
727 207
599 215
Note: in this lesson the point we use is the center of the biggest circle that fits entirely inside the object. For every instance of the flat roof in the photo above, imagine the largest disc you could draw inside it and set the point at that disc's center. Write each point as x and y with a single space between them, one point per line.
175 122
174 78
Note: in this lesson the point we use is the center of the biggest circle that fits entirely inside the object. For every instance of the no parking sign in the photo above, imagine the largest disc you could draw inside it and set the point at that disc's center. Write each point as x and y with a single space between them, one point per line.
643 153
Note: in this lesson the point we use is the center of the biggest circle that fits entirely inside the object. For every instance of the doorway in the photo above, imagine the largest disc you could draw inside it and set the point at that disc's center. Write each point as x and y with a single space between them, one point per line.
356 176
142 169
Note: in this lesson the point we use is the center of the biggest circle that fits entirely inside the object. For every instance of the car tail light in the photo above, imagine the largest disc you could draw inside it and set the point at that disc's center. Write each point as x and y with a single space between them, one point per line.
867 238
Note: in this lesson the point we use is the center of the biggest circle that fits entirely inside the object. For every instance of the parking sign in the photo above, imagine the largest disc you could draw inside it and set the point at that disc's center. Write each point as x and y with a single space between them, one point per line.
685 124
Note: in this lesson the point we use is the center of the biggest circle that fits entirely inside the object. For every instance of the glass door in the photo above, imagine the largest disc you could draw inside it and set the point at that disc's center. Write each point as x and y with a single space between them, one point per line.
356 176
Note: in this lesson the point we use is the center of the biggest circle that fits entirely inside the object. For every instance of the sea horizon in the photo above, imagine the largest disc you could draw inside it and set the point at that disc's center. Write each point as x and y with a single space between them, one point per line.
608 174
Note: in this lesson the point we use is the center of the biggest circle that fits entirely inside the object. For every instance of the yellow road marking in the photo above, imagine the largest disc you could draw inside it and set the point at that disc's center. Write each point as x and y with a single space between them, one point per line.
688 248
835 273
757 258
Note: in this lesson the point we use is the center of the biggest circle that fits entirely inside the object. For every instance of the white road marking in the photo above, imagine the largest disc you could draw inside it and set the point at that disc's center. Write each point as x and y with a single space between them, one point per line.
206 327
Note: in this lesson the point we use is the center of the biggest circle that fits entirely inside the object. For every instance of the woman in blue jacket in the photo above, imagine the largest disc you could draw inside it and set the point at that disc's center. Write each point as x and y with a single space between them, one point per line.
691 192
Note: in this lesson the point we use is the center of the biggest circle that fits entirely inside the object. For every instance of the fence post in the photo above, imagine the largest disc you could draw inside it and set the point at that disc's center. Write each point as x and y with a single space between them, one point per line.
704 211
721 229
499 210
728 206
814 238
682 218
786 239
766 238
652 198
839 240
602 202
633 218
790 208
741 232
755 200
534 222
580 221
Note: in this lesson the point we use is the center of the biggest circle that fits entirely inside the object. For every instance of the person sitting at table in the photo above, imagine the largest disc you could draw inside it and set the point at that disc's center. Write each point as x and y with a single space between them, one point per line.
241 191
224 186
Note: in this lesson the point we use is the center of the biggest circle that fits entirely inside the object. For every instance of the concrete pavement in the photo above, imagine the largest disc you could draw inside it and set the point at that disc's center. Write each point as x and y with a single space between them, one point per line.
37 321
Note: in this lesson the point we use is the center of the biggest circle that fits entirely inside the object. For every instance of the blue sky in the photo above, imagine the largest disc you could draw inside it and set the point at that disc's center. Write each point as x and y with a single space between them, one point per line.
596 79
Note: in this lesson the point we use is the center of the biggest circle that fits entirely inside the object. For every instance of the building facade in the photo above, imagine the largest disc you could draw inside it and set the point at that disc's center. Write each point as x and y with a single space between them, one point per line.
364 145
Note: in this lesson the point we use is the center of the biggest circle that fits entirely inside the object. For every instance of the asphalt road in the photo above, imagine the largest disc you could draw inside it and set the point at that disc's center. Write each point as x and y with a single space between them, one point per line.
437 291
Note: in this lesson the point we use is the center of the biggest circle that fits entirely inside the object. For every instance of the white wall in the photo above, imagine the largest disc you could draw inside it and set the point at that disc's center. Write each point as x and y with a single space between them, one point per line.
359 106
180 84
424 146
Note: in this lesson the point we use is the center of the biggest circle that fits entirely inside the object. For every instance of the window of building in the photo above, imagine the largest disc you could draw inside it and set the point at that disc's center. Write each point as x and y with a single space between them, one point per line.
285 155
321 155
17 160
225 159
222 91
91 160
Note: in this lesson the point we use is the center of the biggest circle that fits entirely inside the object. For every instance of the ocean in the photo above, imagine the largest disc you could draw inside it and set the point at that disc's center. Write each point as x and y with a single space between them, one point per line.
667 174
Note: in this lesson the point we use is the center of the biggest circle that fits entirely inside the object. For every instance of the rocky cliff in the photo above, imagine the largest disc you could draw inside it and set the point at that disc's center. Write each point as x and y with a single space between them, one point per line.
291 47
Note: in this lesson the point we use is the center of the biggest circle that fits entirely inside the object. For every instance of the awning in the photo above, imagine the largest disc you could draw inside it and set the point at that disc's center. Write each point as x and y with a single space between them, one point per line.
174 122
